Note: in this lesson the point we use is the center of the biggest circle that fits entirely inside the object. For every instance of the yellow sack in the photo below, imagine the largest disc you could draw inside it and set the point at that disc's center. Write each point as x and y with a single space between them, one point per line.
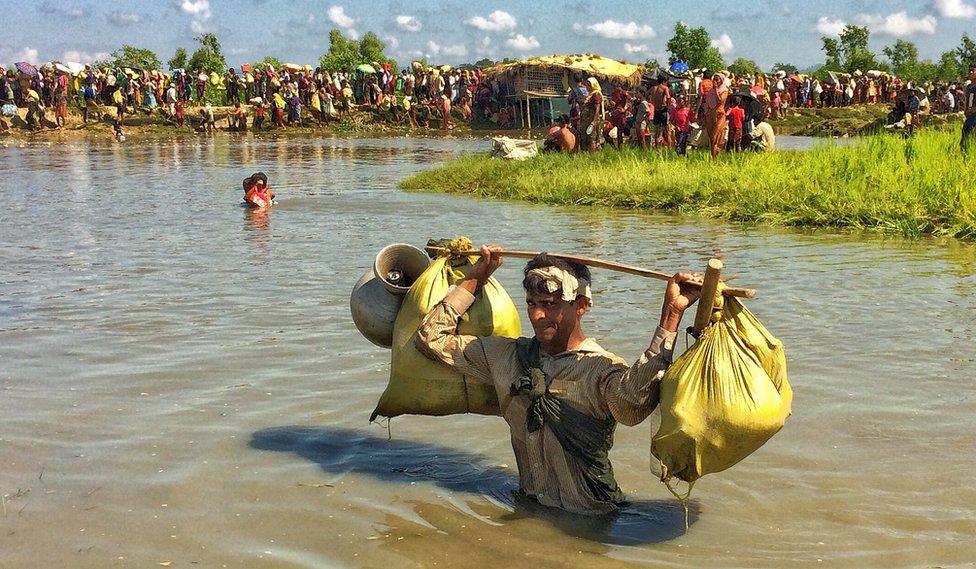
421 386
723 398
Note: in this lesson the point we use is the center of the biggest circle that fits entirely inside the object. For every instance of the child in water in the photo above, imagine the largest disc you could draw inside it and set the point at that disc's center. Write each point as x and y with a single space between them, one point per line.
118 131
256 191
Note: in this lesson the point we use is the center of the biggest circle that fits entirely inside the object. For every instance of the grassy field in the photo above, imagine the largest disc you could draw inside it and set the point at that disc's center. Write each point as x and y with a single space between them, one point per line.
918 186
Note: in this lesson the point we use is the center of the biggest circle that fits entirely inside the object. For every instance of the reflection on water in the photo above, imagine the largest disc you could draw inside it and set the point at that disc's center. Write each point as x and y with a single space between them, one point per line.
144 385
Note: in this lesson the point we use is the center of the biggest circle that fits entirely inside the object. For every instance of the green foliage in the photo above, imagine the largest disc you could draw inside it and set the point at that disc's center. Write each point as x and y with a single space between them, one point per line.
371 49
743 66
903 56
268 60
831 48
346 53
916 186
854 46
965 53
694 47
178 60
652 64
128 56
343 54
949 67
208 56
788 68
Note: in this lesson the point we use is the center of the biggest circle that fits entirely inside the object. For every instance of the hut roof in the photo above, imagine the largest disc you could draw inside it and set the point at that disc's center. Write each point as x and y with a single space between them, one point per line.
588 63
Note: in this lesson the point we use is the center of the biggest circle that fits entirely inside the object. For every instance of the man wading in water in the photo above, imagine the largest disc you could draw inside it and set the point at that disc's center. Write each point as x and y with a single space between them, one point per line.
560 392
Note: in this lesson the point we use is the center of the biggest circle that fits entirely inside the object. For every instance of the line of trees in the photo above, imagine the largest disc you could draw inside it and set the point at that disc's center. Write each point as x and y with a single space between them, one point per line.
846 53
850 52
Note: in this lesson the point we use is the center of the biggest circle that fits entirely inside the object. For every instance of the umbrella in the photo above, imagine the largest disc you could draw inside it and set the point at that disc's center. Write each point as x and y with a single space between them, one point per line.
293 67
25 68
906 94
62 68
679 67
751 104
366 68
245 68
446 68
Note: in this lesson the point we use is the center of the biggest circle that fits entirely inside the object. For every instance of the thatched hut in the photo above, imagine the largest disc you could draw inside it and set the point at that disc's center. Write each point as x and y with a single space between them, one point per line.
539 85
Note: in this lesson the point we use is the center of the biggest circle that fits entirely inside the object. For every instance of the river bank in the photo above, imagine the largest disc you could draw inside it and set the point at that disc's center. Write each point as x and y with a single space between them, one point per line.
828 123
914 187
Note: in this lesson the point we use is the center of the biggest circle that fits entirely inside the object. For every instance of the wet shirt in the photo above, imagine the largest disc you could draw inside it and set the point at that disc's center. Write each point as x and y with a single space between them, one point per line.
590 379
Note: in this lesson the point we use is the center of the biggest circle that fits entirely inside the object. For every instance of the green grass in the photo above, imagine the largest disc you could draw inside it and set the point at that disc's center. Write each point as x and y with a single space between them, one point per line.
918 186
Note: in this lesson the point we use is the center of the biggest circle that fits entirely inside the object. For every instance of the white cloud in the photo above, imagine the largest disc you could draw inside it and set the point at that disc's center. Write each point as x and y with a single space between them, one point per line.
85 57
199 11
120 18
956 9
899 24
392 41
614 30
497 21
435 49
522 43
352 33
339 17
28 54
409 23
484 48
632 49
724 44
831 26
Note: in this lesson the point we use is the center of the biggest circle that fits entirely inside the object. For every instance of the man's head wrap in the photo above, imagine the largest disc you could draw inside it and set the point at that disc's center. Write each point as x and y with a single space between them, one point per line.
561 279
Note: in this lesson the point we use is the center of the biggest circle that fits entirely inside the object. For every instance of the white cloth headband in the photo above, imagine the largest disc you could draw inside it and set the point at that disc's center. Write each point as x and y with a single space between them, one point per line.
557 279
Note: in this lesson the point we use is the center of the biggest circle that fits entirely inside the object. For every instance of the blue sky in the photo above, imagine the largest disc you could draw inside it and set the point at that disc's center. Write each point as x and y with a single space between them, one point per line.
453 31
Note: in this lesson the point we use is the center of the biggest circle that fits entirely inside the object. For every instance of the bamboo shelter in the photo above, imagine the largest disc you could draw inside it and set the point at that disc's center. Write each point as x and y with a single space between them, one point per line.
537 85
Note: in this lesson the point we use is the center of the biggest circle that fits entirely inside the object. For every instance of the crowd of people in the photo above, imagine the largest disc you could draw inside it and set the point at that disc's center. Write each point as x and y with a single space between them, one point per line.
731 113
259 96
722 112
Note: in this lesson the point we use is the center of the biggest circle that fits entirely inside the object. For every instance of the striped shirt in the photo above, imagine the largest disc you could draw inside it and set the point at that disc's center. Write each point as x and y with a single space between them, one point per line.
589 378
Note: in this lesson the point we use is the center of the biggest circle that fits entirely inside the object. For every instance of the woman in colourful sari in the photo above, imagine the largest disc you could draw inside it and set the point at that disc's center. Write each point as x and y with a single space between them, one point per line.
591 118
714 107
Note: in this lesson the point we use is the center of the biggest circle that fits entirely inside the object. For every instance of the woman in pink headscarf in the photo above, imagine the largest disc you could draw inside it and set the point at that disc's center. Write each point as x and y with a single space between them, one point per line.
715 112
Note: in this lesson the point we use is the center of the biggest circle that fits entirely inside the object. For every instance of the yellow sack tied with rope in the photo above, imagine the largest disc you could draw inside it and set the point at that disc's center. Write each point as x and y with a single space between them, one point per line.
723 398
421 386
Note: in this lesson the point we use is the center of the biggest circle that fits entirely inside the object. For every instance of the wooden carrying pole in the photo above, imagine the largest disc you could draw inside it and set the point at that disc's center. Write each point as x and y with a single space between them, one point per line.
619 267
707 300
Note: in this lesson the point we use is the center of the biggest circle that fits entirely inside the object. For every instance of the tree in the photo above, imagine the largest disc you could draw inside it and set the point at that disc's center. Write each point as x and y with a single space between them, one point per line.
743 66
854 46
903 56
371 49
965 53
694 47
652 64
128 56
179 59
343 54
269 60
208 56
787 68
831 47
949 67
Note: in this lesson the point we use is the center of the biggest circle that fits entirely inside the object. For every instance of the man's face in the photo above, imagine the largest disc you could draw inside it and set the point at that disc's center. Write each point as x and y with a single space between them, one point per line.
972 73
553 319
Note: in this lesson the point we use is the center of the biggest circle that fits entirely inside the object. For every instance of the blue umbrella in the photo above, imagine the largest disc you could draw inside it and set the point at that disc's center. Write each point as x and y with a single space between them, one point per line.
679 67
25 68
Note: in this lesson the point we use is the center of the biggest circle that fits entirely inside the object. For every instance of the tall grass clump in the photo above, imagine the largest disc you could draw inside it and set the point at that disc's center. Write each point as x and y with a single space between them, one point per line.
917 186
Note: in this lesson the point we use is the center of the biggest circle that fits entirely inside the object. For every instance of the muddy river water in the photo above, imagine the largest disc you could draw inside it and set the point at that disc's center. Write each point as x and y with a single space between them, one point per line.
181 383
